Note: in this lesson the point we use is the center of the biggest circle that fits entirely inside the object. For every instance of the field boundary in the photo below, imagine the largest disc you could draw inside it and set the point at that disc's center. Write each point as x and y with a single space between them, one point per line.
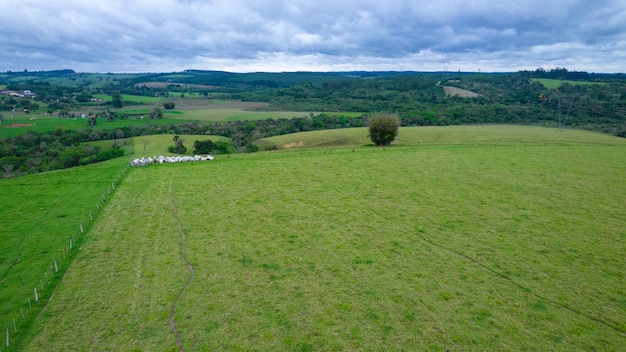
189 266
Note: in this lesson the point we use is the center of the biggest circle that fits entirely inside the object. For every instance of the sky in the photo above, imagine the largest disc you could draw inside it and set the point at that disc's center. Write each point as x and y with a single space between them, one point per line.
319 35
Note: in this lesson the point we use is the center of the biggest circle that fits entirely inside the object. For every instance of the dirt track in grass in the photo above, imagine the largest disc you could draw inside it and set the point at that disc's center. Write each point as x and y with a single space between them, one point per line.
191 272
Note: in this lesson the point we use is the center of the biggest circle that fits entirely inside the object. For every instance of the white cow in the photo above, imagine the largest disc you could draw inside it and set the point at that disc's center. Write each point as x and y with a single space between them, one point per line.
169 159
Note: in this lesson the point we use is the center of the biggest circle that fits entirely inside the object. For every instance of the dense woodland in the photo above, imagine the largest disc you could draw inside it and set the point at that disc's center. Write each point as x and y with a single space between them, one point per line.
588 101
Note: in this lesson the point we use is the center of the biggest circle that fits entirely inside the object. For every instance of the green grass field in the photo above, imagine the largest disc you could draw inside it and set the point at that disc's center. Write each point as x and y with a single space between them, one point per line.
133 98
41 214
457 135
476 239
555 83
148 146
232 114
42 123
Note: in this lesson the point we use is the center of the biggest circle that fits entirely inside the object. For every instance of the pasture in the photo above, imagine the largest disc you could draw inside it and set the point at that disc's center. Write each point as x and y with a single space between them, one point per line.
148 146
555 83
21 124
448 135
133 98
464 242
41 216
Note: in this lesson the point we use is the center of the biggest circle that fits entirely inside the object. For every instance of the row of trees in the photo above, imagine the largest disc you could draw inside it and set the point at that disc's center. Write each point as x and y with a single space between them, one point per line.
33 154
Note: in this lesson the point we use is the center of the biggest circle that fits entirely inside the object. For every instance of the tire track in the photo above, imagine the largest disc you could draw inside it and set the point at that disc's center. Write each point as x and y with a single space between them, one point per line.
189 266
527 290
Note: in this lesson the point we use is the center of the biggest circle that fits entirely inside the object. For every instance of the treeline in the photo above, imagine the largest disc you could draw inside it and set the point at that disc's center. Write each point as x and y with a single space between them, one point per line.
599 106
356 95
562 73
504 98
39 152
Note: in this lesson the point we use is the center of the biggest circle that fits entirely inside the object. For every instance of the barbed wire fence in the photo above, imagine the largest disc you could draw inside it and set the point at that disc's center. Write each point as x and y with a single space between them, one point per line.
36 298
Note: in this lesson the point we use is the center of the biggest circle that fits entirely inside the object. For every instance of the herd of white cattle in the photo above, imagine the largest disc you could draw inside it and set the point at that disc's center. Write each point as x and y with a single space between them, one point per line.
169 159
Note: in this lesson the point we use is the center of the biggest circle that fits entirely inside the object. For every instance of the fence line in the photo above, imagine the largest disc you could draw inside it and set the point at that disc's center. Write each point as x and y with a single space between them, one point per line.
66 252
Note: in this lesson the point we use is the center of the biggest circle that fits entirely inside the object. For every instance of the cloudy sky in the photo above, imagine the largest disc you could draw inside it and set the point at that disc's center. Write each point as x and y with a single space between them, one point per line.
312 35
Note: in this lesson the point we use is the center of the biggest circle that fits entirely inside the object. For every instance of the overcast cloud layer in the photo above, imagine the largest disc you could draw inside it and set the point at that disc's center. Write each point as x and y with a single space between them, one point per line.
319 35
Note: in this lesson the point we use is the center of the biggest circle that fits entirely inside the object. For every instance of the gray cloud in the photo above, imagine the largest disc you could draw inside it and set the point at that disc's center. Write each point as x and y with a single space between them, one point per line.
170 35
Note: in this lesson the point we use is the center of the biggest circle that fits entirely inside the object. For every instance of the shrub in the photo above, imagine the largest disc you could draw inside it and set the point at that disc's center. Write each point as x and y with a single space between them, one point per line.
203 147
383 128
222 147
156 113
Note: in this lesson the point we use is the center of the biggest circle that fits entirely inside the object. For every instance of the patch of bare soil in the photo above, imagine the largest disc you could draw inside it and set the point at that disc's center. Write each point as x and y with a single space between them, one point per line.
18 125
294 144
452 91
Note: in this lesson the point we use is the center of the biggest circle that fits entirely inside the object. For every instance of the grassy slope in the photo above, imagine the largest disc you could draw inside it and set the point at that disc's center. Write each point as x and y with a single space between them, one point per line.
40 213
158 144
471 247
460 135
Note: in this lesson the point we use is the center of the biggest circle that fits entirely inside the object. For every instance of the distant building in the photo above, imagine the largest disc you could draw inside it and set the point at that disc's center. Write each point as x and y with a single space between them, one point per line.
19 93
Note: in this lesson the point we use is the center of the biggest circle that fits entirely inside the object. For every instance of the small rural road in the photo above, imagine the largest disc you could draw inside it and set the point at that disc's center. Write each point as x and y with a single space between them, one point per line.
189 266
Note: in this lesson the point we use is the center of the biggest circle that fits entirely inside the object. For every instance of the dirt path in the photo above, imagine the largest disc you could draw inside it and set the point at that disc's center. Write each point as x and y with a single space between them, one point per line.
191 271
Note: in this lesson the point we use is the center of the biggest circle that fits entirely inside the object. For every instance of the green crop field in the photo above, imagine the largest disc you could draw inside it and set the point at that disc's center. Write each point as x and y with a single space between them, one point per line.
466 238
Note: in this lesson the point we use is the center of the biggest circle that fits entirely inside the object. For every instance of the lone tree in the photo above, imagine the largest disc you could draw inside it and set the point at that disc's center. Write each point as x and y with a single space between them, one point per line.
383 128
116 99
178 146
156 113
